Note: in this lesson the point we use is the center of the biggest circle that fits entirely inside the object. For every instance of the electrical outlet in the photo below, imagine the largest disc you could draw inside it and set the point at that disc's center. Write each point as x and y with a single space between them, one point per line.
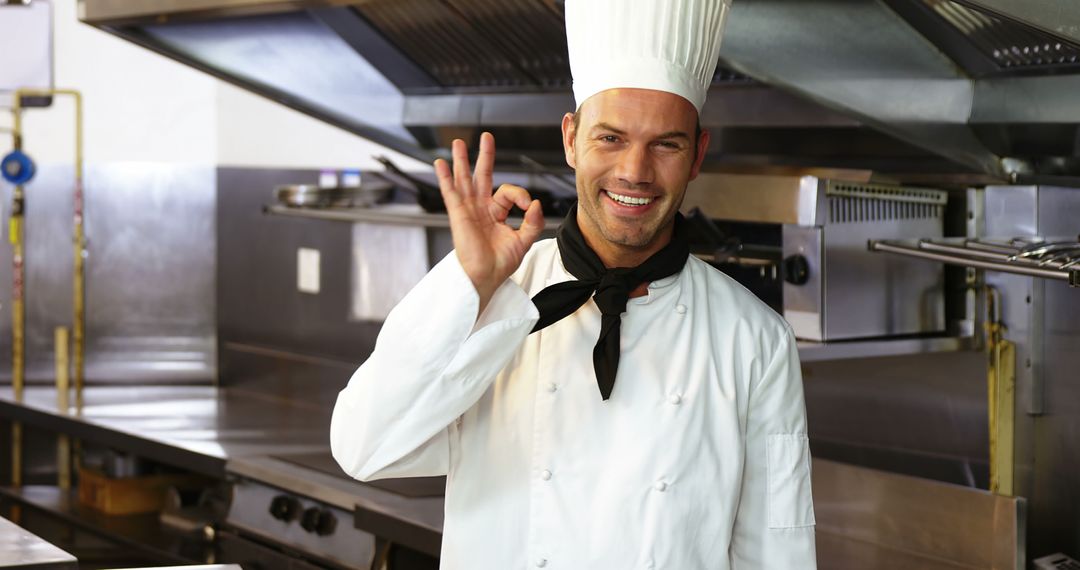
307 270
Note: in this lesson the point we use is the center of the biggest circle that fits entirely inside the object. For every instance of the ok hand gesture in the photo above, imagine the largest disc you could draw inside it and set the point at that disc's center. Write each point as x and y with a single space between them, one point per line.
488 249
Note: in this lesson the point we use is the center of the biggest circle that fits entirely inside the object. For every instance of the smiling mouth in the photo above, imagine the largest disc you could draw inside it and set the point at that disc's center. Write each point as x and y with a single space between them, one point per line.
632 201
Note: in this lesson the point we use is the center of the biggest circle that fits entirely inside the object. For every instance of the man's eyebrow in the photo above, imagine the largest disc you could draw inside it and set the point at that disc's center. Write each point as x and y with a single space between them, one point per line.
609 128
668 135
673 135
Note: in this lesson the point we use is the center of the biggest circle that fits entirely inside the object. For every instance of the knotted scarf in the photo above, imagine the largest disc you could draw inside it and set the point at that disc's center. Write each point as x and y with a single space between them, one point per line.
609 288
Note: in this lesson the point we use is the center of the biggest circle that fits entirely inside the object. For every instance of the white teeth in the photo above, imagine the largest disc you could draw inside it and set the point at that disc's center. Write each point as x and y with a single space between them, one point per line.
628 200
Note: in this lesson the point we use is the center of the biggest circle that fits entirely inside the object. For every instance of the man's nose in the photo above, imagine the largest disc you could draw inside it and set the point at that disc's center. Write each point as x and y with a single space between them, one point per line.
635 166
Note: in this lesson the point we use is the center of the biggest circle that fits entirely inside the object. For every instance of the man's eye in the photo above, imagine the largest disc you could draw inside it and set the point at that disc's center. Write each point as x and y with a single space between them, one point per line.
609 139
668 145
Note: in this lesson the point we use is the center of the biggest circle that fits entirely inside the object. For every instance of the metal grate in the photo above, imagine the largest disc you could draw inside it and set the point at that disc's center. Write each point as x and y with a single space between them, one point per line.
502 44
1011 45
859 203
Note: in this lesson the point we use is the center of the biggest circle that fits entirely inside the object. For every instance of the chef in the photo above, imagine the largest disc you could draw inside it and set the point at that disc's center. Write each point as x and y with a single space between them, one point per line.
601 400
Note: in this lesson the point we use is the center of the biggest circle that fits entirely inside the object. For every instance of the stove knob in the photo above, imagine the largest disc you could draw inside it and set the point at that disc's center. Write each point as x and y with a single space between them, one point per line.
796 270
326 524
310 519
284 508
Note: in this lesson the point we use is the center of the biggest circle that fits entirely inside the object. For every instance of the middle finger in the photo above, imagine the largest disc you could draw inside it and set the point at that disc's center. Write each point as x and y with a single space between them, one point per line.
462 172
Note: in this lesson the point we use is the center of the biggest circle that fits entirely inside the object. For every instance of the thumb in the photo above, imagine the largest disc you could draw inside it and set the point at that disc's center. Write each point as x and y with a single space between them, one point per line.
533 223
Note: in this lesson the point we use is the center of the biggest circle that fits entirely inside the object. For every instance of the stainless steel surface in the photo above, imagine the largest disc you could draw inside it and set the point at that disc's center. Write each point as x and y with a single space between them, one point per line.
150 271
849 293
803 304
946 526
413 521
121 10
957 252
21 549
367 195
334 540
845 350
1059 18
433 72
197 428
193 567
392 214
893 78
1041 317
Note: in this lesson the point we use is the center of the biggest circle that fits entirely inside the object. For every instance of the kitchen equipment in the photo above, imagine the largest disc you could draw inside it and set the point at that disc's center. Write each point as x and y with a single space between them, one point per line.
427 195
802 247
1032 256
556 204
366 195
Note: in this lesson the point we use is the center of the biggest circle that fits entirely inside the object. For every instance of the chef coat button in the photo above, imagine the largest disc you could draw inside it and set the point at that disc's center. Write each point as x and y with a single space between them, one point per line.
545 475
552 387
660 486
541 562
650 564
675 399
680 308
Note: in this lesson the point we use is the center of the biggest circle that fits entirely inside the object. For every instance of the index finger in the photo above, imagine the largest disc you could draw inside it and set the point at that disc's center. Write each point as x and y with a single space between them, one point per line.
485 164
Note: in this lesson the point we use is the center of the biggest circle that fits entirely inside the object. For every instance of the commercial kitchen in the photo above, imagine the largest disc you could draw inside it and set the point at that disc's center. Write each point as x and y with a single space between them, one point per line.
213 205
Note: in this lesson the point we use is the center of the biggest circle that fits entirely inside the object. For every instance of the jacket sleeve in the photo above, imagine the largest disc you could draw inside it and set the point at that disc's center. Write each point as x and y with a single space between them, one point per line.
434 358
774 523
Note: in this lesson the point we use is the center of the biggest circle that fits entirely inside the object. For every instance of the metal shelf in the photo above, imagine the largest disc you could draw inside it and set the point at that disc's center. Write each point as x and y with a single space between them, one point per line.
1033 257
392 214
847 349
142 533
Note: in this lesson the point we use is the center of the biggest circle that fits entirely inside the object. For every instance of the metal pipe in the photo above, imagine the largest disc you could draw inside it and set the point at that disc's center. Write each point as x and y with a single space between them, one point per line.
79 238
16 235
913 251
63 372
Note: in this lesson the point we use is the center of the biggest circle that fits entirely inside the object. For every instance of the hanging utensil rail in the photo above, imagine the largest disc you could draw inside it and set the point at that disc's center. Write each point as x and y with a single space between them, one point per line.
1035 257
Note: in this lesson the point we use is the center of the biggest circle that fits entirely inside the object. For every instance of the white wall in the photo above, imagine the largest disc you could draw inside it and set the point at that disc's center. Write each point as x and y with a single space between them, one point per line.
143 107
254 131
138 106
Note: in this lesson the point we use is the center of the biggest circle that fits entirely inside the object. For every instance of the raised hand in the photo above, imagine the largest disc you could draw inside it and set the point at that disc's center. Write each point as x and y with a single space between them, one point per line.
489 250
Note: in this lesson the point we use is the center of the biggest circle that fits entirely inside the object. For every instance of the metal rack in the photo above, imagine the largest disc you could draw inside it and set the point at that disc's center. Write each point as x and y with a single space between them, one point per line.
1035 257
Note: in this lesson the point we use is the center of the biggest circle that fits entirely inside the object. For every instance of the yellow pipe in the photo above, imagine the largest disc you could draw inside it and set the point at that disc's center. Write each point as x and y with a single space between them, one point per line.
1001 398
16 235
63 443
79 238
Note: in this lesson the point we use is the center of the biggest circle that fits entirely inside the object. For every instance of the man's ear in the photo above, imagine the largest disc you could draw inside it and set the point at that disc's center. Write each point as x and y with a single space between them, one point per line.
569 132
702 149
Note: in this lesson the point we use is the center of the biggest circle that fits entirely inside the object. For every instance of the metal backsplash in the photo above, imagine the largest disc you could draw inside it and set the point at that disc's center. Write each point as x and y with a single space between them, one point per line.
273 338
149 272
1043 318
922 415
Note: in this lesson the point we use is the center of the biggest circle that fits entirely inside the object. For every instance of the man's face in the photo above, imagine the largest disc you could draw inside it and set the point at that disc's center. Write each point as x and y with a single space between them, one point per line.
634 153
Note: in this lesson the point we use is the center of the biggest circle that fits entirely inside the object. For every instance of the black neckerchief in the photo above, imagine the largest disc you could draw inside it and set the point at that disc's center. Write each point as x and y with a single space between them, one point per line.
612 288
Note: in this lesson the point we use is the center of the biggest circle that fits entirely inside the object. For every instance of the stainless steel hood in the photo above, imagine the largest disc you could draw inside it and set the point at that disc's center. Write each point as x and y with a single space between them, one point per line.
908 88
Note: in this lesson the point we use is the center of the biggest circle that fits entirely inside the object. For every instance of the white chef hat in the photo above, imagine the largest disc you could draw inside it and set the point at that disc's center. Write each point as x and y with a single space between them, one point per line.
666 45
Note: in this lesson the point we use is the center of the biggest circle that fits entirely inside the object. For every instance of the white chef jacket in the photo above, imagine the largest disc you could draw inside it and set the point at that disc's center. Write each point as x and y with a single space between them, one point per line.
699 459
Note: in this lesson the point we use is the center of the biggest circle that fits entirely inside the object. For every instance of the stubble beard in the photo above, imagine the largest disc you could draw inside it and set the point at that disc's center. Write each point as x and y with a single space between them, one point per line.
640 236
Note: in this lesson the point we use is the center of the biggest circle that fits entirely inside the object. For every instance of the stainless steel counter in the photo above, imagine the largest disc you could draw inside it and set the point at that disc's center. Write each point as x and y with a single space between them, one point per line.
198 428
21 549
231 432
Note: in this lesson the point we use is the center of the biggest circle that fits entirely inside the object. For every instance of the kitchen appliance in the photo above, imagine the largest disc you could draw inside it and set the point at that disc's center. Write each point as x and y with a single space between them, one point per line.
368 194
300 510
801 244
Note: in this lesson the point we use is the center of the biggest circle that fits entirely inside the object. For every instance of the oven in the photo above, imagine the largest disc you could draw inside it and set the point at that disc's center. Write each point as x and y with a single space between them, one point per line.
801 244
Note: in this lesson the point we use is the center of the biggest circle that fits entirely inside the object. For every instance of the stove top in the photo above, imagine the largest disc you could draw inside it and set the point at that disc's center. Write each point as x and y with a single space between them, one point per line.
406 486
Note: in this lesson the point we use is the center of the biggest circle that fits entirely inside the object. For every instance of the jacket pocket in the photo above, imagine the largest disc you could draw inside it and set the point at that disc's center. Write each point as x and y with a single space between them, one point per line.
789 496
